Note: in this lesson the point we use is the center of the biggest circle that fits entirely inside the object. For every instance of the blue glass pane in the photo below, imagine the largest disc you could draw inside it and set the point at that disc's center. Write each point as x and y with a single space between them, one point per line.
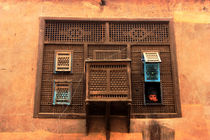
152 72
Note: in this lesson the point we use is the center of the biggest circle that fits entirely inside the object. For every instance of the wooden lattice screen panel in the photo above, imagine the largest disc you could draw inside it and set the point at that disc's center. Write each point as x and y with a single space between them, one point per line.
106 54
108 81
119 76
139 32
76 78
107 51
74 31
168 98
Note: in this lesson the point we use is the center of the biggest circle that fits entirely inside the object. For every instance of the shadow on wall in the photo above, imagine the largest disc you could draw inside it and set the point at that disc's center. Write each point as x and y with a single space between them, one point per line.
151 131
156 131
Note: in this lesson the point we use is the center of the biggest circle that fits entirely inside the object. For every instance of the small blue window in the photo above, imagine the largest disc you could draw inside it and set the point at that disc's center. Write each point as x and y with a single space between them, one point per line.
151 66
62 93
152 72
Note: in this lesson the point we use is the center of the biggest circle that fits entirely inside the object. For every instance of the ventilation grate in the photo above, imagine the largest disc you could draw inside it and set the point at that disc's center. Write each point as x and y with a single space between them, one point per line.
139 32
62 93
61 31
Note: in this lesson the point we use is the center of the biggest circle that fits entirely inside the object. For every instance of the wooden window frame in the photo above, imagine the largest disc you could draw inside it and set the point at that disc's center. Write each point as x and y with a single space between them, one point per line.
55 86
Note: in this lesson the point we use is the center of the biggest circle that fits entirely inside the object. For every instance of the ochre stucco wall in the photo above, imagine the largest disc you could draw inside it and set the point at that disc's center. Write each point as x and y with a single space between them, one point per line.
19 33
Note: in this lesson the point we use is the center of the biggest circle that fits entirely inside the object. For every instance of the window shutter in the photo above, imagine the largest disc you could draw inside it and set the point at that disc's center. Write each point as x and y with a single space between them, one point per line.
63 61
62 93
151 57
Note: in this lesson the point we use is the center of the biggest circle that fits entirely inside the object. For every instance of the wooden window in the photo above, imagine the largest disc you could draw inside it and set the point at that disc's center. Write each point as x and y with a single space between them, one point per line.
62 93
151 66
152 86
152 72
63 61
107 81
152 93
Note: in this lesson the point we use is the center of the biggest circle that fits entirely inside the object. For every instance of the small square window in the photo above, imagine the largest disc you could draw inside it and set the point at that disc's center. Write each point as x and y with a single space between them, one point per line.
62 93
63 61
152 93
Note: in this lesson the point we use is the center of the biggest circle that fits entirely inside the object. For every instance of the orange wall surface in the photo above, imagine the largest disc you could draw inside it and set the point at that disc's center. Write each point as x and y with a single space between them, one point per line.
19 35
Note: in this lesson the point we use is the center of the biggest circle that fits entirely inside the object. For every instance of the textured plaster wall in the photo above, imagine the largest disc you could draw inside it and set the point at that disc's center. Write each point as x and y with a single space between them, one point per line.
19 32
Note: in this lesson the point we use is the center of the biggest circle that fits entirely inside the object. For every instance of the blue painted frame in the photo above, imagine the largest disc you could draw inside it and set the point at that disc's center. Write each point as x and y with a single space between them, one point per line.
146 76
55 93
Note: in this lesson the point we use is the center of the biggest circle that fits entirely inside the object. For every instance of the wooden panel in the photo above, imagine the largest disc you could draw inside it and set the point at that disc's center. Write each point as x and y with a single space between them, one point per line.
168 99
138 32
121 49
60 31
110 40
106 54
77 78
108 80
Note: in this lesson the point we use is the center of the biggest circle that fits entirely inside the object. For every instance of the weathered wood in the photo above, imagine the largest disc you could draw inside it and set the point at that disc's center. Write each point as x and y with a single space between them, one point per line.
87 117
107 120
129 42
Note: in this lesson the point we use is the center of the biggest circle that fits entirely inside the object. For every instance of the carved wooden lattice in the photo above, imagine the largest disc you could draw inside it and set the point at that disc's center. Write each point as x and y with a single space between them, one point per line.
139 32
105 40
60 31
106 54
108 81
81 31
49 76
137 75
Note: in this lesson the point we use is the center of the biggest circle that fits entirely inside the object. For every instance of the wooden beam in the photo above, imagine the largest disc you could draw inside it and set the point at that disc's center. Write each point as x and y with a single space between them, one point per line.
107 119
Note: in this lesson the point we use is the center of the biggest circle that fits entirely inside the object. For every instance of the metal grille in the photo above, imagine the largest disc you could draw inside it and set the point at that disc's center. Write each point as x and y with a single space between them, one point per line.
62 93
107 81
139 32
61 31
106 54
63 61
